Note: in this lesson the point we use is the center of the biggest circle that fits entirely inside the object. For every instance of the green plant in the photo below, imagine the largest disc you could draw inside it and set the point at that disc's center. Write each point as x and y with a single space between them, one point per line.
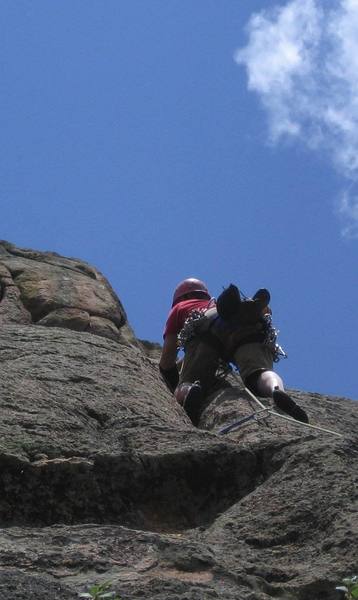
349 587
100 591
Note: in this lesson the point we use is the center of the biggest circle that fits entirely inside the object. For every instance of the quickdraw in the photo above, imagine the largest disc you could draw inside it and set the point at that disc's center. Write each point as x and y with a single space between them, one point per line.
271 334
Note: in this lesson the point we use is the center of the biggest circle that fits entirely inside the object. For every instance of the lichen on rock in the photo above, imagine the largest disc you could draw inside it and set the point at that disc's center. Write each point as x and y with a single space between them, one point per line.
43 288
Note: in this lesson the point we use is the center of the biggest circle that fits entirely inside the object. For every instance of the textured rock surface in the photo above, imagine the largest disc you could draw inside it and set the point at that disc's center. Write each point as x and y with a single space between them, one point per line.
47 289
103 477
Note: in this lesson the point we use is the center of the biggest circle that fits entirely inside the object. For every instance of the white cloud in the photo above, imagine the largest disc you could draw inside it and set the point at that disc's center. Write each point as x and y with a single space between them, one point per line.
302 60
348 212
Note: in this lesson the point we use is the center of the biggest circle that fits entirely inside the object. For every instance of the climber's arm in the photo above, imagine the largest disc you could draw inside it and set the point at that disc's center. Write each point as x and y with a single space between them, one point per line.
167 363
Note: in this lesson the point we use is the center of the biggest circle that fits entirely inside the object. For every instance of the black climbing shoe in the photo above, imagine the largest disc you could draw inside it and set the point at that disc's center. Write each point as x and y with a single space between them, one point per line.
289 406
192 403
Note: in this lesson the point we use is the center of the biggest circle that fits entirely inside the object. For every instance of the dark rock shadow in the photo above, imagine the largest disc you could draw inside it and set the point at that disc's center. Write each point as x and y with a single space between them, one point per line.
167 493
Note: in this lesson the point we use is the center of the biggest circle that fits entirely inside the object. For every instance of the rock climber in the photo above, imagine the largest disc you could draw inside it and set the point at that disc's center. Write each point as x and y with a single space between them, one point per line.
189 295
230 329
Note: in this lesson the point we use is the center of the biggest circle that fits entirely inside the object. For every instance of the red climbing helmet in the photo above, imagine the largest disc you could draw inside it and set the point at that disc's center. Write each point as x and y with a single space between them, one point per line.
188 286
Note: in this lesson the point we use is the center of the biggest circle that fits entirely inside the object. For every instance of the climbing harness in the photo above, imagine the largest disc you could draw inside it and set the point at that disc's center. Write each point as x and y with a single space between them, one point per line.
264 412
198 323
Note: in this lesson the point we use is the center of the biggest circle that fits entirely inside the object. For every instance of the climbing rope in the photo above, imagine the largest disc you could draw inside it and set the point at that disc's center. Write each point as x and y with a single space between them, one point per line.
264 412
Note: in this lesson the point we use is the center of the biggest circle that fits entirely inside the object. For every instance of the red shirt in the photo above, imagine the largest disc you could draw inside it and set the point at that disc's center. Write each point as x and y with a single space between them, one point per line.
180 312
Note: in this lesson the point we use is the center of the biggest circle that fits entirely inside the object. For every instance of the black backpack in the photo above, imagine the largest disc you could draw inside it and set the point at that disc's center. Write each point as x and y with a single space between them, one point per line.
235 310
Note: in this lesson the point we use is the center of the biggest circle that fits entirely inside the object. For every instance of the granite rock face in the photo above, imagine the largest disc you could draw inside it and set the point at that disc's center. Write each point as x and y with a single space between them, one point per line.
46 289
103 477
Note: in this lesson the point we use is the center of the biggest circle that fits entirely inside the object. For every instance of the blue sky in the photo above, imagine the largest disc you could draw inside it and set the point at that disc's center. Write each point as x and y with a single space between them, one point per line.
161 139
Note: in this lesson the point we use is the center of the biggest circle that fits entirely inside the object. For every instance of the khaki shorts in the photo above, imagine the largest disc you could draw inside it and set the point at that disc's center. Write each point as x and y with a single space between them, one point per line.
253 357
200 363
